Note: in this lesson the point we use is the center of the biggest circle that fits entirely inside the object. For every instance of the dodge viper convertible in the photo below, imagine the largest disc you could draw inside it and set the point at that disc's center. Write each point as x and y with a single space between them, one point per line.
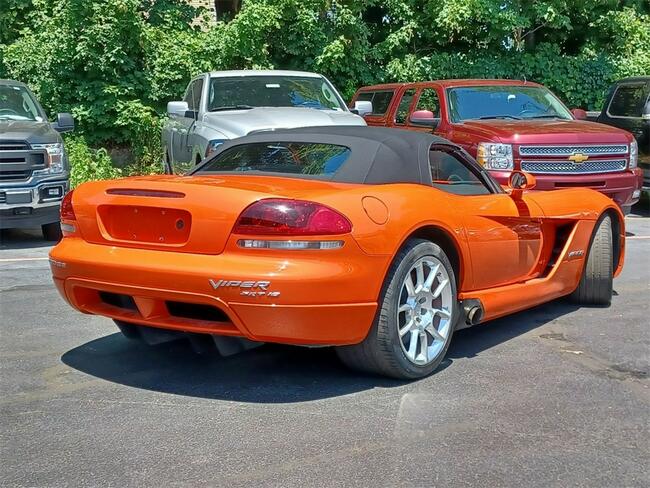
378 241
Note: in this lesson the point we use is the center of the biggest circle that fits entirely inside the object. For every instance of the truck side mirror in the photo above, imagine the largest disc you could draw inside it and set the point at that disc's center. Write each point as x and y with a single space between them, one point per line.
579 114
362 107
425 118
177 108
64 122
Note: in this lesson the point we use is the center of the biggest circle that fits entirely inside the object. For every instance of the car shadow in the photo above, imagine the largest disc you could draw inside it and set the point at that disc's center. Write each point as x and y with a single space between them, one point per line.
469 343
271 373
642 208
268 374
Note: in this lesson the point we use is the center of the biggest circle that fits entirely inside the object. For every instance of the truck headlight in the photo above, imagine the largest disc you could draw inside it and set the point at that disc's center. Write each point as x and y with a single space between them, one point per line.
213 145
634 155
495 156
54 158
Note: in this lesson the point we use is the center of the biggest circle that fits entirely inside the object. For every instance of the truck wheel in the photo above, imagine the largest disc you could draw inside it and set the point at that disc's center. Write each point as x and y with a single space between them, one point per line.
596 283
52 232
167 163
417 313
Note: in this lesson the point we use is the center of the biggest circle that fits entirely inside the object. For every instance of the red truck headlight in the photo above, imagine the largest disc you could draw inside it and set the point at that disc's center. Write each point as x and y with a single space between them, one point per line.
495 156
634 155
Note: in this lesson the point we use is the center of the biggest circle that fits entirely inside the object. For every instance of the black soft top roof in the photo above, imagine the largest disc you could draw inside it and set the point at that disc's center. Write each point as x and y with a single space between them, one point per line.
377 154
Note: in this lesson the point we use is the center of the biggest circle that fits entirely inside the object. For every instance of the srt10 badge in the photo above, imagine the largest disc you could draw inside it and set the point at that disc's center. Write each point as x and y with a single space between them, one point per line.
247 288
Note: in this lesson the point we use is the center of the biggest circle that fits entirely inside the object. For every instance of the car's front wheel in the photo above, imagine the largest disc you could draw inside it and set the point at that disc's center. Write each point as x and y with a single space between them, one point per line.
417 314
596 282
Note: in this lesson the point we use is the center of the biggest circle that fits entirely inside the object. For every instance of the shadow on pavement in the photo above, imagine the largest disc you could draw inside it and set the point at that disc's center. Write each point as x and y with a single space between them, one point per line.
12 239
271 373
268 374
468 343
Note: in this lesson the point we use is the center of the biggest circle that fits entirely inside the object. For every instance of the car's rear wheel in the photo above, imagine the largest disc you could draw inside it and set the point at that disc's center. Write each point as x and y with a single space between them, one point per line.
417 314
596 283
52 232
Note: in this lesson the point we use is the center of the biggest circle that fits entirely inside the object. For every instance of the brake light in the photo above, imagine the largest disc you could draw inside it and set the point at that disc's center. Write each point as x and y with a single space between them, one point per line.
284 217
67 215
67 212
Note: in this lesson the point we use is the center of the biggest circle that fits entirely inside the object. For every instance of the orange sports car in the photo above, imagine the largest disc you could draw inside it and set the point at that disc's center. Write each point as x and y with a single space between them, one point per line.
378 241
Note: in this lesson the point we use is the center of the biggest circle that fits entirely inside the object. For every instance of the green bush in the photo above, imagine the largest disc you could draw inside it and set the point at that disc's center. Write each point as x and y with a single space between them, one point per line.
116 63
87 164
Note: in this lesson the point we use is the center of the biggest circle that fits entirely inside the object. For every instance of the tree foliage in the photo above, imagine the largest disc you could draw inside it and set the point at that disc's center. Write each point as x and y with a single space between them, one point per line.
114 64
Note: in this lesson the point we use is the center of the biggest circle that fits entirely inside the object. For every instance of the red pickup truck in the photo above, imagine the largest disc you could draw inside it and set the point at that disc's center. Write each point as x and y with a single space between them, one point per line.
508 124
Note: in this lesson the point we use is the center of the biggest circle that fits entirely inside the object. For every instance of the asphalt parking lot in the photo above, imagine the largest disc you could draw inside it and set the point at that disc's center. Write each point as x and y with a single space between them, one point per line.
555 396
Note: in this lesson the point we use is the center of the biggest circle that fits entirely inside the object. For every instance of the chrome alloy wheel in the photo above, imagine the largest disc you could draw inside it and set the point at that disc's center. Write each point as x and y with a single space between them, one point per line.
424 312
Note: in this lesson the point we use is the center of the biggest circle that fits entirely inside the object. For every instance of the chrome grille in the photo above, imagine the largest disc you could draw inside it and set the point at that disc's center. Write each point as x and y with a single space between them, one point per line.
3 197
567 167
603 150
13 146
18 160
14 175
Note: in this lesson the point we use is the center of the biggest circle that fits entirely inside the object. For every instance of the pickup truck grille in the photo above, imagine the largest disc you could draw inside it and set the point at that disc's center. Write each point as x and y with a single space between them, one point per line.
550 151
18 161
3 197
567 167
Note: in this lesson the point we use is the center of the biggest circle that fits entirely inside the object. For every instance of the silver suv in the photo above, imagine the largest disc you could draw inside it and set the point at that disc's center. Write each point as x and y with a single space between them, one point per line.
224 105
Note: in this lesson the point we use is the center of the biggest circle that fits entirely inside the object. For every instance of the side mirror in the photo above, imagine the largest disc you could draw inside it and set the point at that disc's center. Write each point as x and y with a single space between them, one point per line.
579 114
424 117
646 111
520 181
64 122
362 107
177 109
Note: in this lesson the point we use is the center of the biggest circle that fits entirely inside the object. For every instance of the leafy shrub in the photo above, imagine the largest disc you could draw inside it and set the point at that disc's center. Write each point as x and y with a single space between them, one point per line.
116 63
88 164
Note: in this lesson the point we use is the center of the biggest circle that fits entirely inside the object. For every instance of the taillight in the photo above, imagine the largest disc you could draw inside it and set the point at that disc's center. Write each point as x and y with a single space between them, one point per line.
284 217
67 212
67 215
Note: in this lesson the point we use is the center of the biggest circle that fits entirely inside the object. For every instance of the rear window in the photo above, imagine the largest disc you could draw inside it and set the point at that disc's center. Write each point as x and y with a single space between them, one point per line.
628 101
380 100
298 158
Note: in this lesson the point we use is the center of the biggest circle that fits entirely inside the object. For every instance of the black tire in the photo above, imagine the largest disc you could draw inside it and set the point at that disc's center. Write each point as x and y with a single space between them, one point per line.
381 352
596 282
52 232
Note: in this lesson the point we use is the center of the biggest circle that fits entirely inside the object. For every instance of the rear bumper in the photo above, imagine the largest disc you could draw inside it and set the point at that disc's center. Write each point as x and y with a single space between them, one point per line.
620 187
319 302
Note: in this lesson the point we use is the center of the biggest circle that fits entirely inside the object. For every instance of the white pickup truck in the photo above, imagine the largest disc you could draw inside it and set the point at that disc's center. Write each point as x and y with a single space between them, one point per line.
224 105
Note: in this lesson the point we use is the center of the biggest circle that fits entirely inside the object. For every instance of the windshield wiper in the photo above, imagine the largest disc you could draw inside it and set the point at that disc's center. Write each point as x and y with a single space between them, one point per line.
231 107
545 116
487 117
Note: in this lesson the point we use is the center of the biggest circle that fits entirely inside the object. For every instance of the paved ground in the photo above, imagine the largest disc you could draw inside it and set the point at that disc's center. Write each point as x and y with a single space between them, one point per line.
557 396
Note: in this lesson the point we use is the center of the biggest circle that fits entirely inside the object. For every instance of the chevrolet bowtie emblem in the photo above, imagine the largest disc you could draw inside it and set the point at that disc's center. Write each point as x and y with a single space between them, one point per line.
578 158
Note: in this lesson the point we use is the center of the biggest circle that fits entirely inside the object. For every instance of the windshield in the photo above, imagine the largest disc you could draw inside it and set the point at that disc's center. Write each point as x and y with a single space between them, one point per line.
243 92
17 104
299 158
504 102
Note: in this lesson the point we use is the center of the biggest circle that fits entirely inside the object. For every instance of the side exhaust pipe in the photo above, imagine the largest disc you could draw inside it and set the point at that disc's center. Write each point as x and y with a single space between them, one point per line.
472 311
